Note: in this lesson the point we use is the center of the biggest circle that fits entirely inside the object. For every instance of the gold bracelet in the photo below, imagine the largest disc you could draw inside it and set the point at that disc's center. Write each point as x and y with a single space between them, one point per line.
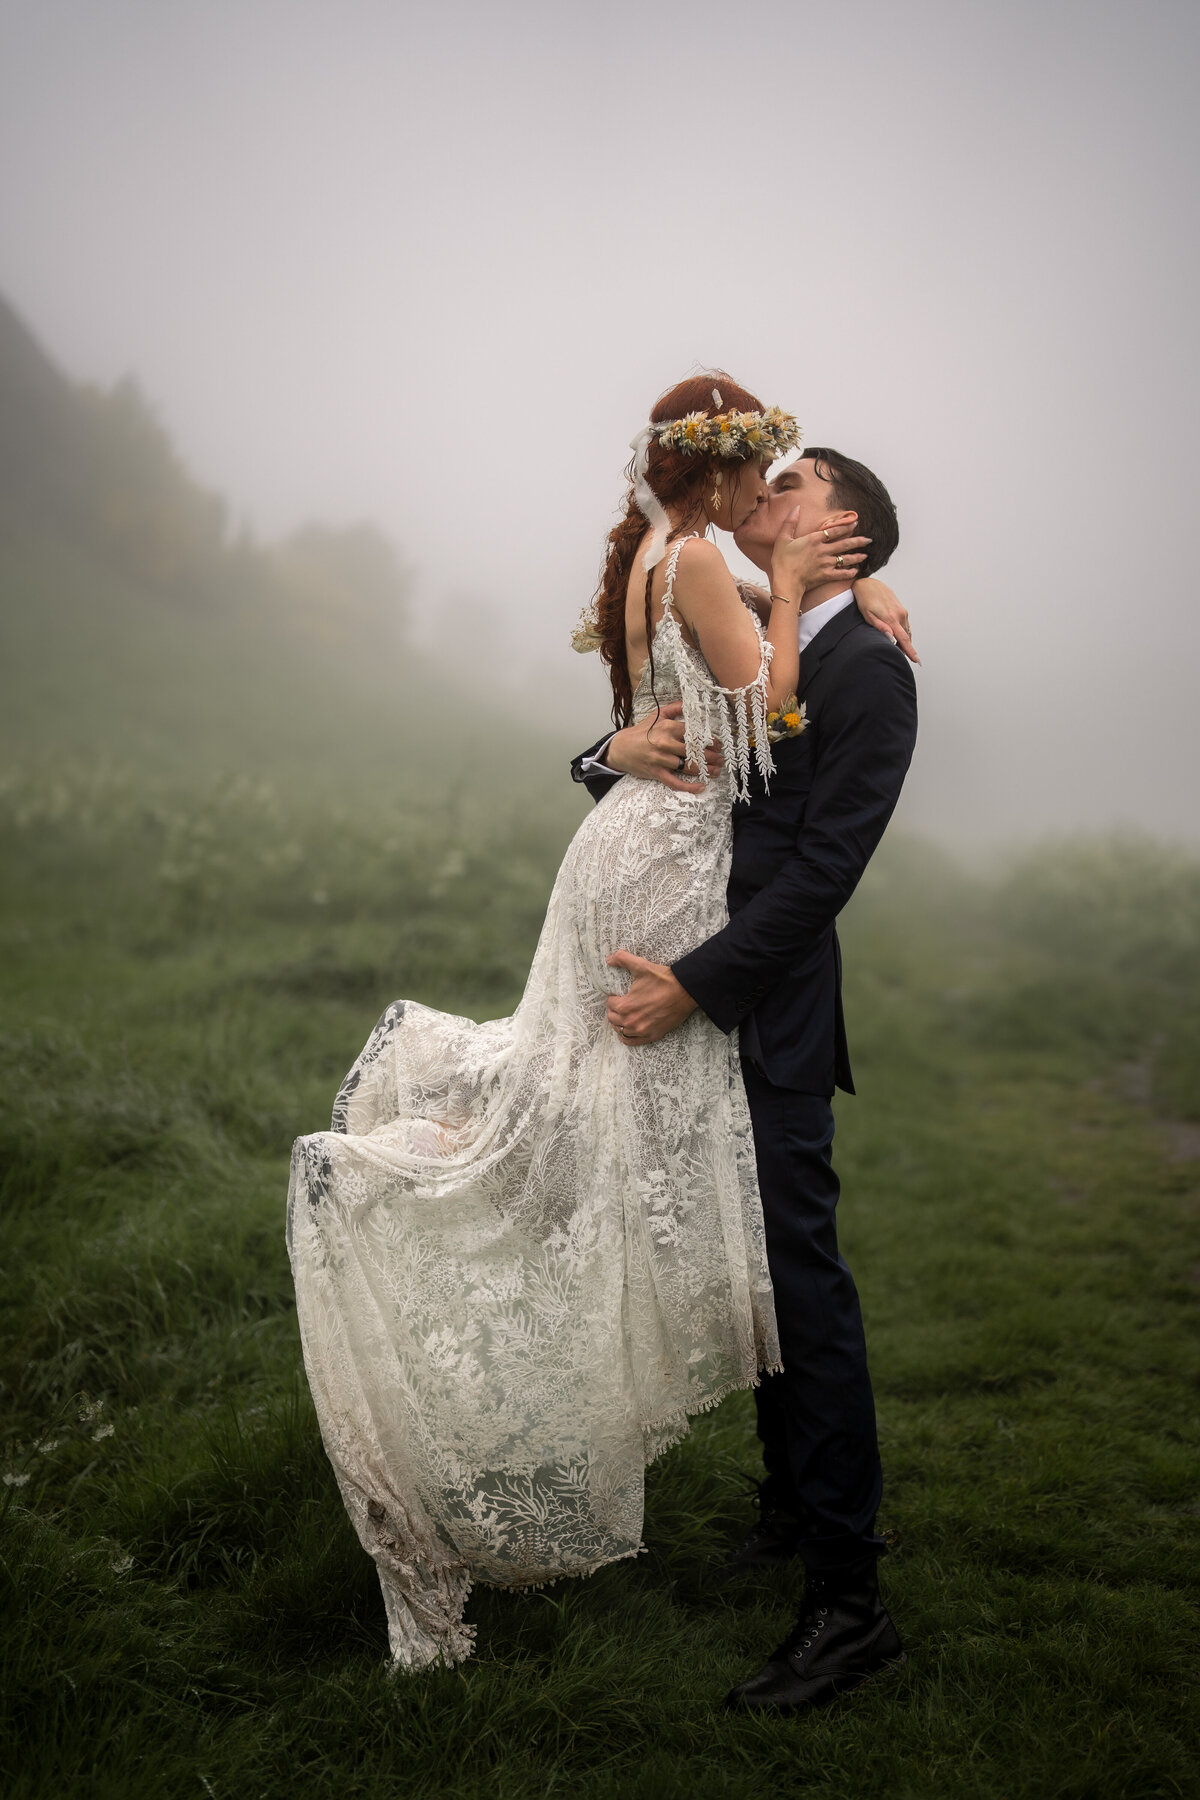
782 599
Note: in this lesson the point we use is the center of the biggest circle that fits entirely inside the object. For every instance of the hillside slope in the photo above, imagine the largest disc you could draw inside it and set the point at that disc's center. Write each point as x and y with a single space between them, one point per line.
135 627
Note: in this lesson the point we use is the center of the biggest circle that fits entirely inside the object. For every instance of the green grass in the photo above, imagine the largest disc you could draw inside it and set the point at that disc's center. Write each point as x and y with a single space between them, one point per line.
186 976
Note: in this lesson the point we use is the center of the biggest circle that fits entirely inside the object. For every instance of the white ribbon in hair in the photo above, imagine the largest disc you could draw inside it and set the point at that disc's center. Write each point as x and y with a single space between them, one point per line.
647 501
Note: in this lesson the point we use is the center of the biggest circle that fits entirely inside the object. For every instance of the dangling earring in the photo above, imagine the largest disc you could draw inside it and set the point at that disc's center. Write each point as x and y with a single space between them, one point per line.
715 502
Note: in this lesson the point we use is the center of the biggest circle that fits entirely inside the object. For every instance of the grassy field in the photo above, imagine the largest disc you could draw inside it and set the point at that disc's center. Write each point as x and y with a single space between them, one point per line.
187 974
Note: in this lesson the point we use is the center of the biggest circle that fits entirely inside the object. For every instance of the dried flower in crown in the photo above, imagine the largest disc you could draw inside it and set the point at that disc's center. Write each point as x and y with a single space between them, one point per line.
737 436
731 436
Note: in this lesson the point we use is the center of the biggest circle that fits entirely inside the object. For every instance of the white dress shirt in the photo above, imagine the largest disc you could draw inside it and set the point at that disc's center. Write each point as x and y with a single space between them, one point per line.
817 616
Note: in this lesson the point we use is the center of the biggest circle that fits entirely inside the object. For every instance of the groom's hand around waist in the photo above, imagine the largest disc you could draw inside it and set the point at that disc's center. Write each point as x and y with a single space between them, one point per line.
654 1004
654 751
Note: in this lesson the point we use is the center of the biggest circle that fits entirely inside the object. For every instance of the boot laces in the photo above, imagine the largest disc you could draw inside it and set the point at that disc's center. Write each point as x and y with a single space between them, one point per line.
806 1631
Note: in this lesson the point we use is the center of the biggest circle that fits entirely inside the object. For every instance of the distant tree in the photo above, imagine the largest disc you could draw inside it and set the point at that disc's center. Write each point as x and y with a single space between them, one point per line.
163 526
96 468
344 584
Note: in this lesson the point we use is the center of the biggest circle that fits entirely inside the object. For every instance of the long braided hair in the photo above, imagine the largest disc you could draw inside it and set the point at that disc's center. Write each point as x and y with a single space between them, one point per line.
679 481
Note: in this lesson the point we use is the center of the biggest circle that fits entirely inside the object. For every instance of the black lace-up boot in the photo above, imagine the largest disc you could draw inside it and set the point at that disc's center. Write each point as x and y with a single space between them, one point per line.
770 1542
842 1638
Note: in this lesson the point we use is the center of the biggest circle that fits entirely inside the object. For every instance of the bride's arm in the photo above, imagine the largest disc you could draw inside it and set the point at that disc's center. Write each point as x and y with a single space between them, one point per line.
882 608
757 597
710 606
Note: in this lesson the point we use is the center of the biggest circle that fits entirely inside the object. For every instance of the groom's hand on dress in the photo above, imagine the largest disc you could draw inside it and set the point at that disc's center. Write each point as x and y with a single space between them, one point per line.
654 1005
654 751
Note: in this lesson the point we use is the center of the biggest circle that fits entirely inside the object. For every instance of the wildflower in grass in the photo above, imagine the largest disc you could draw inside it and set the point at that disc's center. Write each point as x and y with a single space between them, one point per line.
48 1446
104 1431
122 1565
15 1480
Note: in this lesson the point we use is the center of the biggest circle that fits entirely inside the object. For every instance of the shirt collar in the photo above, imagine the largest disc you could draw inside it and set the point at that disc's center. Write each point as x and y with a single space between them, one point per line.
817 616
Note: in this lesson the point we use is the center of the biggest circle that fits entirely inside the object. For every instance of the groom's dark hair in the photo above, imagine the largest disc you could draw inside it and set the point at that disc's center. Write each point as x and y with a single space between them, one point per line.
856 489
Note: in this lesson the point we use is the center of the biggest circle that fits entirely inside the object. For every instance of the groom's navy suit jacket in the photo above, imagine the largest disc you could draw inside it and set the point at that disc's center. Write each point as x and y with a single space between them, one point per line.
798 853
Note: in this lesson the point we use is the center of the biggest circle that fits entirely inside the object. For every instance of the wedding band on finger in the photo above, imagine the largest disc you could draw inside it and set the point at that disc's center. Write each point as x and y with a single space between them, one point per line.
838 561
681 765
825 535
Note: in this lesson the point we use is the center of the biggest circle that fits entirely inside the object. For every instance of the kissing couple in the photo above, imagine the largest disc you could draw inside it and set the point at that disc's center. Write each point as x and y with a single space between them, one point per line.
528 1251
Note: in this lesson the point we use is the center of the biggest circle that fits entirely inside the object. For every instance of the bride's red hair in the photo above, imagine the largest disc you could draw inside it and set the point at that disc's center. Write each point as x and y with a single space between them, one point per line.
679 481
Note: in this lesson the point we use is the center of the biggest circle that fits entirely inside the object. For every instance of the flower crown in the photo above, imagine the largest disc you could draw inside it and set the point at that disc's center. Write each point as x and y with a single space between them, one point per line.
738 436
731 436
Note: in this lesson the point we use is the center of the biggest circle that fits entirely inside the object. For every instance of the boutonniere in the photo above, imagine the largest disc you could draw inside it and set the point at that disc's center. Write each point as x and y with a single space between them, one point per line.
790 720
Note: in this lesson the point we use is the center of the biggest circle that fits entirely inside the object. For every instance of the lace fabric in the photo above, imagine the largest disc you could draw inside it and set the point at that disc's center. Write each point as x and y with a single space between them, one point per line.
525 1254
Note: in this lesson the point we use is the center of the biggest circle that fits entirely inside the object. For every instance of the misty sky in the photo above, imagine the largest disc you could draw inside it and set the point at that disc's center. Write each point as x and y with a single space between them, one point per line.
432 265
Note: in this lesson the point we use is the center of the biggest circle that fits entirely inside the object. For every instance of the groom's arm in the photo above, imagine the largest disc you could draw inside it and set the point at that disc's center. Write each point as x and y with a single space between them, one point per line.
652 750
868 729
589 769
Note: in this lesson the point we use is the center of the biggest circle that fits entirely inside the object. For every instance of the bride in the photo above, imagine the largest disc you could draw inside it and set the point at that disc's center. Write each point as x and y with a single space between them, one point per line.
526 1253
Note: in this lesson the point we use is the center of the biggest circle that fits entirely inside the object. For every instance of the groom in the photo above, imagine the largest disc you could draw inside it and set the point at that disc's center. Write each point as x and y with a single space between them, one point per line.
774 975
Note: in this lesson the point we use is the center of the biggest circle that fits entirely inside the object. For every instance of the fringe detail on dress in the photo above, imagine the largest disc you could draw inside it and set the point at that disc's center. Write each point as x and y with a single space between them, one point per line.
736 718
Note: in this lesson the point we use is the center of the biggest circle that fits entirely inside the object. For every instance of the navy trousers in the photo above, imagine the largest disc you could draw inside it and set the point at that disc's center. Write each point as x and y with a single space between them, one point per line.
817 1419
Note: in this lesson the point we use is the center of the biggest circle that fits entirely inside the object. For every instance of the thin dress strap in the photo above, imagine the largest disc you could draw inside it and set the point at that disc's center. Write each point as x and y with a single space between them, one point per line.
668 599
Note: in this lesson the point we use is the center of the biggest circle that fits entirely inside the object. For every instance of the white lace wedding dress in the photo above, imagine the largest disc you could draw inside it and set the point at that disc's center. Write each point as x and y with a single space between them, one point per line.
524 1253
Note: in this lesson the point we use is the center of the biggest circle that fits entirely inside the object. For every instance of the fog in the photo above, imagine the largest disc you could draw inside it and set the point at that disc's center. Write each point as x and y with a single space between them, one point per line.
431 267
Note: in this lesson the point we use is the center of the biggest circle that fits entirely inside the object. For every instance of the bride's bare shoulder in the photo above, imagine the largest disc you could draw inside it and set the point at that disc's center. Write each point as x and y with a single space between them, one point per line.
702 575
700 553
700 565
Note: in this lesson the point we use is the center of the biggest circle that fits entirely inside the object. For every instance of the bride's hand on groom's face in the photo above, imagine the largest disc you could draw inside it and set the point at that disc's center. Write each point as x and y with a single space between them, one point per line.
654 751
802 560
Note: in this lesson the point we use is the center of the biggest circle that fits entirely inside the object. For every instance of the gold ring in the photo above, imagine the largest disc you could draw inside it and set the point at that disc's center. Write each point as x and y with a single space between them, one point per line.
825 535
837 562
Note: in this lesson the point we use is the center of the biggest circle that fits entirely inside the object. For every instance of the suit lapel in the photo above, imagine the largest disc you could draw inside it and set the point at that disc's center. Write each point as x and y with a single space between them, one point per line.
826 641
